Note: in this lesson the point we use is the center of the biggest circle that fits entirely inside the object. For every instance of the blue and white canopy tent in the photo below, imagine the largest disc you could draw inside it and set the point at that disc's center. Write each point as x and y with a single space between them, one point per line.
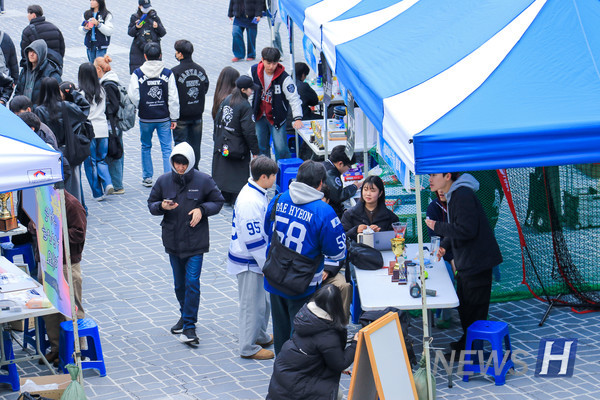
467 84
25 160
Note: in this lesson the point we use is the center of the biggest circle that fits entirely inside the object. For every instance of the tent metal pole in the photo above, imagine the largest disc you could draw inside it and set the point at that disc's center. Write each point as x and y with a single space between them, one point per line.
426 337
67 248
290 26
365 150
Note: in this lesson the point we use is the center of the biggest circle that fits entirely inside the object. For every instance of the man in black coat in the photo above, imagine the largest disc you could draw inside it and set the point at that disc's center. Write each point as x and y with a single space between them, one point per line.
192 85
39 28
35 69
185 197
10 56
473 245
337 164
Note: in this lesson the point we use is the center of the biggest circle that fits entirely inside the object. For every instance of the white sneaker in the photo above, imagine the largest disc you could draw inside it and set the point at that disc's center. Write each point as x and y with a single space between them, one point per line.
147 182
109 190
101 198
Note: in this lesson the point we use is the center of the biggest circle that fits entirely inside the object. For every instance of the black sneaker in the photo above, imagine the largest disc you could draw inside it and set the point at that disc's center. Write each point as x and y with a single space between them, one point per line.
178 327
189 336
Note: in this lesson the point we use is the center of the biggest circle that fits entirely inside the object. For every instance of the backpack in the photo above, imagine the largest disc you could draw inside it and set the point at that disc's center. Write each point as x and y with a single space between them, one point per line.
3 67
127 110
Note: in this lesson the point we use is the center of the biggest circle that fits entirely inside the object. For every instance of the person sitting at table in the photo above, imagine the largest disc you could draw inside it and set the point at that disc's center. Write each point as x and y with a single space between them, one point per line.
310 364
370 211
438 211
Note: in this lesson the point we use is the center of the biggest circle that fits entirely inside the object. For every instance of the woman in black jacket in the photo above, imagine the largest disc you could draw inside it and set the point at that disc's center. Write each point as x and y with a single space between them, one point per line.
370 211
309 365
144 27
234 121
50 111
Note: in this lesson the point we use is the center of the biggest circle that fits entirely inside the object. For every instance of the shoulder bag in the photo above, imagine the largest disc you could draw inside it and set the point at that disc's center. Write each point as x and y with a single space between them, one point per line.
363 256
286 270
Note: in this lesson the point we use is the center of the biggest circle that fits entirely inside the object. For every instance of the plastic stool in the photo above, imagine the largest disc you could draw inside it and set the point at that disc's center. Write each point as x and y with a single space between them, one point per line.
287 176
87 328
496 333
12 378
24 250
355 309
283 165
29 335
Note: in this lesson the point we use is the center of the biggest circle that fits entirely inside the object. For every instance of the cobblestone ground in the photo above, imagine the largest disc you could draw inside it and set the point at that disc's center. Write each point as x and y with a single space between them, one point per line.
128 286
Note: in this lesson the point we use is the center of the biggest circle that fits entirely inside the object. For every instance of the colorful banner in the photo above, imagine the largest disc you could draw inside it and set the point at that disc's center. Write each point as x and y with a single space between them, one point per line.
50 244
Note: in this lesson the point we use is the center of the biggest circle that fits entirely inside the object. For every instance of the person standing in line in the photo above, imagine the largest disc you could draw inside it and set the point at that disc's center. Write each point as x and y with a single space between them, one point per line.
245 15
110 82
308 226
153 91
246 257
144 27
35 70
225 85
185 197
192 85
336 165
97 27
96 168
8 52
234 127
39 28
476 252
276 93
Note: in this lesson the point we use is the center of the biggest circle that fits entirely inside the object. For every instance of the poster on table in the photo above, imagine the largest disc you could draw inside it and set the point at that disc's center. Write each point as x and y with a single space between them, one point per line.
42 204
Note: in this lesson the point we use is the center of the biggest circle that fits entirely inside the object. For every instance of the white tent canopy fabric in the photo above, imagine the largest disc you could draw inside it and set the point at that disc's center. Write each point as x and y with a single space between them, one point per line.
25 159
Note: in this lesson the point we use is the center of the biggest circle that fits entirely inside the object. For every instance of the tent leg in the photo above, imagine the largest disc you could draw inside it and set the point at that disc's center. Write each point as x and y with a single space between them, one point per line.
77 356
426 338
290 26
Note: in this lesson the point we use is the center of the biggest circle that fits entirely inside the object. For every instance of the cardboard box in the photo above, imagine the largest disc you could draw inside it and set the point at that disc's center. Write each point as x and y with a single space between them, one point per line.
19 325
62 381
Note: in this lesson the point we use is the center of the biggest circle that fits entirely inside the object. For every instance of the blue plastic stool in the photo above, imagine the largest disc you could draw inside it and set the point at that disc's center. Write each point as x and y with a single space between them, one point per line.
283 165
355 308
29 335
87 328
291 141
12 378
496 333
24 250
287 177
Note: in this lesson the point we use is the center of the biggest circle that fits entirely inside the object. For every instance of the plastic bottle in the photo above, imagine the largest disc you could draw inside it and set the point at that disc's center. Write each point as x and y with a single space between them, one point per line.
38 302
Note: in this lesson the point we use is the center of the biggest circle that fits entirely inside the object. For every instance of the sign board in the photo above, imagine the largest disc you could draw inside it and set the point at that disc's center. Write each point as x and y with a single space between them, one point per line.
381 366
350 131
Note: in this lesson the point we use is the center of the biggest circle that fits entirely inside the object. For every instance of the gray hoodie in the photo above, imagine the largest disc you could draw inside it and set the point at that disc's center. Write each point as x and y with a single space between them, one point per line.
465 180
301 193
41 49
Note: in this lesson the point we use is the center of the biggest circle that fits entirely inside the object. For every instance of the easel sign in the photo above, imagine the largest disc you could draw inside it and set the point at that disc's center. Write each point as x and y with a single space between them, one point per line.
381 367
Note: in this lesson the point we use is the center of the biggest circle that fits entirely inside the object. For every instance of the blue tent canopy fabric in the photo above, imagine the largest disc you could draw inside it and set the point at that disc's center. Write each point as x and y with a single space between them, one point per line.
471 85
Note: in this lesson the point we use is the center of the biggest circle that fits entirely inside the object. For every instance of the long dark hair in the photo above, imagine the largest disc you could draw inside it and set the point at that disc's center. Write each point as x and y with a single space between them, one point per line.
101 11
50 95
237 97
376 181
225 85
89 83
329 299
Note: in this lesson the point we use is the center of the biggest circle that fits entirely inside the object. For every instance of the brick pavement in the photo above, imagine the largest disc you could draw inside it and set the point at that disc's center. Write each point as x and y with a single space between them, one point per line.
127 279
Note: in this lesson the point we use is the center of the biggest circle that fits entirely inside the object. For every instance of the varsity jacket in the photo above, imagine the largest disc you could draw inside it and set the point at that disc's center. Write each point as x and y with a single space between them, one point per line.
273 101
192 85
153 91
101 33
308 226
248 246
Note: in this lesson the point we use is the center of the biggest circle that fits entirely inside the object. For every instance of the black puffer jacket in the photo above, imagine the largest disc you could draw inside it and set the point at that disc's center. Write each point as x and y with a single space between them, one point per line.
311 362
39 28
10 56
246 8
357 215
194 189
78 112
30 80
141 36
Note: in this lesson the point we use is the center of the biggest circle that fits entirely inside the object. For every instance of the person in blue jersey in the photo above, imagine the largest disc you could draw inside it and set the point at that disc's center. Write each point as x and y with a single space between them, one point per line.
246 258
310 227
